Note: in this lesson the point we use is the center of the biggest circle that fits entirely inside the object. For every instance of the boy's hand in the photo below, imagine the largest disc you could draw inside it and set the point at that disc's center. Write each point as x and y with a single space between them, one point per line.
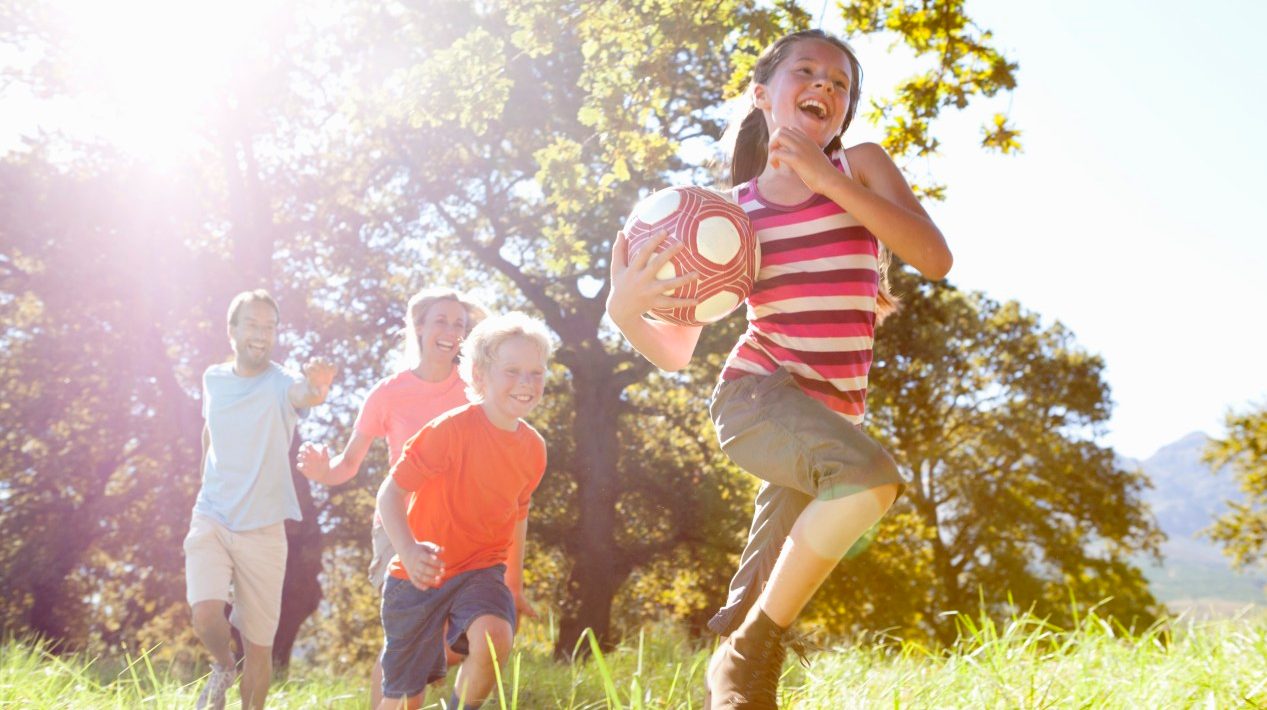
523 606
791 147
635 289
423 564
314 462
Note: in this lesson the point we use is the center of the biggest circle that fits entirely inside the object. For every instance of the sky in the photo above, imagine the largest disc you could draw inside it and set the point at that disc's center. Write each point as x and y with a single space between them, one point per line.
1129 216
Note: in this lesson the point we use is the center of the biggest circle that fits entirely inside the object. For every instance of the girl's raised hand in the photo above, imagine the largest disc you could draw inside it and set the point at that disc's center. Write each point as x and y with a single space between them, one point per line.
792 147
635 289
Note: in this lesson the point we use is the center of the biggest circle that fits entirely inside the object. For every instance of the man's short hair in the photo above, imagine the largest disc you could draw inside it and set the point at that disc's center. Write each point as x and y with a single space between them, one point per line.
259 295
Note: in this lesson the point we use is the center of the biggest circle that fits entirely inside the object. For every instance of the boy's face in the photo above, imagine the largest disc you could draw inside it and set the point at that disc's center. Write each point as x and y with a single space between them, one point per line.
514 382
253 336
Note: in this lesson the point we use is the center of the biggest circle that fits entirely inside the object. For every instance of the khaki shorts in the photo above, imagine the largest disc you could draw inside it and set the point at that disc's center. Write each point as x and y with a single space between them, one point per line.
803 451
243 568
383 553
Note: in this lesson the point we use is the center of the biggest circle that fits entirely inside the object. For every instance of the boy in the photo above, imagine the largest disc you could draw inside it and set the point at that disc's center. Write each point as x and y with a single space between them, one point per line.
456 510
237 537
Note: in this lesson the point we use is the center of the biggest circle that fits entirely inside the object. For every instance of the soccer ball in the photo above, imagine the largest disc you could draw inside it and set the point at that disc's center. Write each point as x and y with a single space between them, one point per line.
720 246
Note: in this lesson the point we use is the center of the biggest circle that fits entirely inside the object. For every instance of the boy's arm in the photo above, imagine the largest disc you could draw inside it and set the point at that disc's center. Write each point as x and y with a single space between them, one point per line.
312 390
515 570
420 559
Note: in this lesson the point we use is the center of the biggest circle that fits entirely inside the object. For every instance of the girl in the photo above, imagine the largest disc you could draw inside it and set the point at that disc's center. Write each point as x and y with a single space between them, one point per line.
792 391
436 322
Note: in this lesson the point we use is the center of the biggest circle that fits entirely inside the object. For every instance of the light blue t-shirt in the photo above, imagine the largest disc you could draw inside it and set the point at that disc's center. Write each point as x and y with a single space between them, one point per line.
246 483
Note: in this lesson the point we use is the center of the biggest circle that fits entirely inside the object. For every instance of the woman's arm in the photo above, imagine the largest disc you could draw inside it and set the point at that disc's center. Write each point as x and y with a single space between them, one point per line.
315 463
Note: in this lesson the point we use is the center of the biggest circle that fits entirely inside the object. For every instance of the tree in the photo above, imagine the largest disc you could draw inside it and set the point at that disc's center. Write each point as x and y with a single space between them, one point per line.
1242 531
79 362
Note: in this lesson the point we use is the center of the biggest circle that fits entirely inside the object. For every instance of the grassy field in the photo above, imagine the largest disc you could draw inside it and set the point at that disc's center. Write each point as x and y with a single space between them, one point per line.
1022 664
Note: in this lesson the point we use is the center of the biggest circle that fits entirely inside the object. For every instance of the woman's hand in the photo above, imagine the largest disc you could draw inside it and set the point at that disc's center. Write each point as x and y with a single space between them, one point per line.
314 462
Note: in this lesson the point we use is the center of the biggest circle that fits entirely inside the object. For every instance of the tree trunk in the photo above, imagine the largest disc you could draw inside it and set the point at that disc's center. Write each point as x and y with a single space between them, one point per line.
599 566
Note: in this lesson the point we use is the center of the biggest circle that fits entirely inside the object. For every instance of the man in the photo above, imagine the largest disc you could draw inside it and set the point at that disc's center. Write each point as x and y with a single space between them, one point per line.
237 538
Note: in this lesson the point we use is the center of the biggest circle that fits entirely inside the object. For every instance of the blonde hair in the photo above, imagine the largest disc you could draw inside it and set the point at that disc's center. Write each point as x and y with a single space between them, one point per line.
417 309
480 347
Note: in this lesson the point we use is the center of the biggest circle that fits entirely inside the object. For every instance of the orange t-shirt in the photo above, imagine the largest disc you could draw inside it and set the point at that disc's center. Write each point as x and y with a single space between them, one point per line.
471 484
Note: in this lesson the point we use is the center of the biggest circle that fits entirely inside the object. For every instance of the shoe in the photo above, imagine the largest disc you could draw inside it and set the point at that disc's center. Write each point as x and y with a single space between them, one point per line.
744 672
218 685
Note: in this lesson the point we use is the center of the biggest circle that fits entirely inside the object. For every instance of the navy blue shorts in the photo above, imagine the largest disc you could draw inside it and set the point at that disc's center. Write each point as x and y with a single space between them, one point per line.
413 624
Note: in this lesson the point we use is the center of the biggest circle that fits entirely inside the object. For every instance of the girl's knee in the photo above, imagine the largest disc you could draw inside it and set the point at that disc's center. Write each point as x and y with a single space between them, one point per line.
886 496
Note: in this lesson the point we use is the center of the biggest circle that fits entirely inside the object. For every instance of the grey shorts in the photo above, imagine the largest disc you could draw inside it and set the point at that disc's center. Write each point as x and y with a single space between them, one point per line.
803 451
414 624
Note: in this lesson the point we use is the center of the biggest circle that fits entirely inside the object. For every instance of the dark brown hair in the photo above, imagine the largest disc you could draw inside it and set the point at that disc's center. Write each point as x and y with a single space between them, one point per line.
748 154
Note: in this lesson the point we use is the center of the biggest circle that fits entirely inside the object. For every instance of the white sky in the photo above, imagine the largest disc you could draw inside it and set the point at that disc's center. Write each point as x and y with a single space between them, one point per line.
1129 216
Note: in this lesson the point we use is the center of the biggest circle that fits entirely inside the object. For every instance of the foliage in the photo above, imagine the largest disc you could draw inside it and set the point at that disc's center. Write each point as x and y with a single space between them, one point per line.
1242 531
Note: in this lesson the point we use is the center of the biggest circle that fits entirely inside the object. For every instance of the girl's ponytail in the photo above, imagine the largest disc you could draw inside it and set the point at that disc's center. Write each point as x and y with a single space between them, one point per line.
886 304
749 152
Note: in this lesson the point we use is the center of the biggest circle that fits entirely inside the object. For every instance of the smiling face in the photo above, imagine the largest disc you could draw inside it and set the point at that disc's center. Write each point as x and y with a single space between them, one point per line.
513 383
253 335
809 89
440 331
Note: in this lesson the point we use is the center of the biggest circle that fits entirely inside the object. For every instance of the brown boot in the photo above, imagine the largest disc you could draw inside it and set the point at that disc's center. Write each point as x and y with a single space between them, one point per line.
745 670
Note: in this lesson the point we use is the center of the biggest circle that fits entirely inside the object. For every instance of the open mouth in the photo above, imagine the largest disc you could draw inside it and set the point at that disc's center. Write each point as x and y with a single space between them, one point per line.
523 398
446 345
813 107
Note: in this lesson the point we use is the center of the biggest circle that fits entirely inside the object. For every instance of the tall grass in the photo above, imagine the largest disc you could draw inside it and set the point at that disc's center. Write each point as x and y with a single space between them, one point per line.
1021 663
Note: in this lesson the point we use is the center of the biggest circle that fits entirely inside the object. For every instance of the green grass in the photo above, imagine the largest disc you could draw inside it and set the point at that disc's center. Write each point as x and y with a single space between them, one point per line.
1024 663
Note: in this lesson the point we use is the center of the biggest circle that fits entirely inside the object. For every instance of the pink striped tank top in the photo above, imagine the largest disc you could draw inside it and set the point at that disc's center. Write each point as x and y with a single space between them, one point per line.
812 309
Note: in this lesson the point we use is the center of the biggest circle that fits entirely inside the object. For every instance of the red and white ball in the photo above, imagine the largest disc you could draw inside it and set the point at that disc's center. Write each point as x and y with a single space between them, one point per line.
720 246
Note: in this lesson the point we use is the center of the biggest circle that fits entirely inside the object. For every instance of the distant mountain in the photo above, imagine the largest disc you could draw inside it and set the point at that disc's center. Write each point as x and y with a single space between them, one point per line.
1186 498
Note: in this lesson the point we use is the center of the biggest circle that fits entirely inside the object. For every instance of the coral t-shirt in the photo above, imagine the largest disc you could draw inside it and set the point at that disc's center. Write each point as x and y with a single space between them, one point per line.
471 483
400 405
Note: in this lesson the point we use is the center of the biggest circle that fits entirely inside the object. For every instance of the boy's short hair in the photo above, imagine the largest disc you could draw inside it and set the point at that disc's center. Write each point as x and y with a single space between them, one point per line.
258 295
480 347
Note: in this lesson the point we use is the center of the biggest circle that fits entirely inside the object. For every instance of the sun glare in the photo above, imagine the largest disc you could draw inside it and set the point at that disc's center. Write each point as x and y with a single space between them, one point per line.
148 70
